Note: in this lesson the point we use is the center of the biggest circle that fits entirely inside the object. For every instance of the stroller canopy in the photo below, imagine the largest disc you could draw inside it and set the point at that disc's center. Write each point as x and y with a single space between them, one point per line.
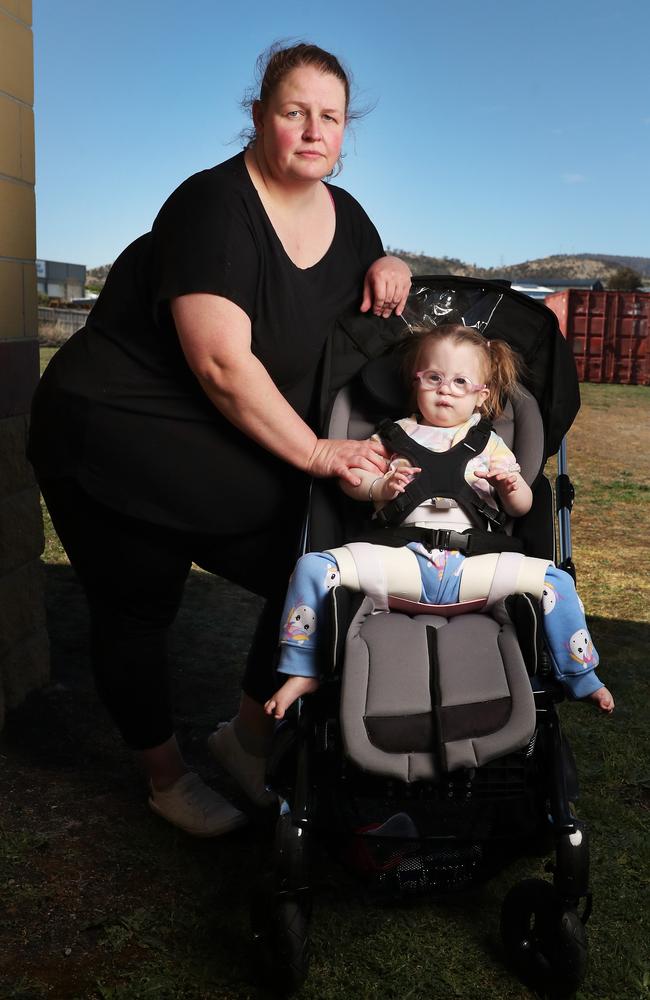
492 308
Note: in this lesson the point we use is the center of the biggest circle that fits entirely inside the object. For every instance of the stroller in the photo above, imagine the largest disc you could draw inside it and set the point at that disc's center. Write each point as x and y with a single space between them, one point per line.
425 769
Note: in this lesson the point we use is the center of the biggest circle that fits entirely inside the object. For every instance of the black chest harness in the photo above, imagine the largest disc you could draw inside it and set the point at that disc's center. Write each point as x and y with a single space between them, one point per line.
442 475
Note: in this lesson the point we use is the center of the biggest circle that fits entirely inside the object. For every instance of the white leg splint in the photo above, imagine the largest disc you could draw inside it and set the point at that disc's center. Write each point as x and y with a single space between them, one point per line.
380 571
498 574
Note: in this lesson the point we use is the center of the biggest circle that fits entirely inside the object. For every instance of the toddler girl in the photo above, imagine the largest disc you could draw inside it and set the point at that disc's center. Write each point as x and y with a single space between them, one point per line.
457 377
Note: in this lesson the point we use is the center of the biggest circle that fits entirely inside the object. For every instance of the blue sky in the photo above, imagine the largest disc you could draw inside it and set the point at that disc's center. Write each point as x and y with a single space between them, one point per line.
501 131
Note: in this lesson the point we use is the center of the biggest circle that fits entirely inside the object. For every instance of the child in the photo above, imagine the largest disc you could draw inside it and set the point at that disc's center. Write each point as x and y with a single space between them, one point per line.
458 377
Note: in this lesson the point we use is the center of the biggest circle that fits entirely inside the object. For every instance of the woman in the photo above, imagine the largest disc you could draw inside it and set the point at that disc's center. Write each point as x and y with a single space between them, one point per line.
179 424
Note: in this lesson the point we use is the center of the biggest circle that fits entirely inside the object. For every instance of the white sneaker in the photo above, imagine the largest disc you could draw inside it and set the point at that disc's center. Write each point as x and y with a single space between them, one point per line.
196 808
246 768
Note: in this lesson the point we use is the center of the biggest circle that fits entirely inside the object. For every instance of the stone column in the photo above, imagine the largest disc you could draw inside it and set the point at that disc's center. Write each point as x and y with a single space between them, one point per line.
24 655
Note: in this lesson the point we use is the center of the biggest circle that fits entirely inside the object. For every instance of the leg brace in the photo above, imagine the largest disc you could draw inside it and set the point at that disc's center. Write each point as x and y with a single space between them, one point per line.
381 571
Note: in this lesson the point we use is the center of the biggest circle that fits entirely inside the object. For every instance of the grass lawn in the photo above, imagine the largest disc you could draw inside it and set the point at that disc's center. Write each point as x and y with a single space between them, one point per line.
102 901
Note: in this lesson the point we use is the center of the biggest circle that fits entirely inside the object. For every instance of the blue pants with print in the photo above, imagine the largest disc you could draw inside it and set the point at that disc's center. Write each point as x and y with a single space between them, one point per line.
306 608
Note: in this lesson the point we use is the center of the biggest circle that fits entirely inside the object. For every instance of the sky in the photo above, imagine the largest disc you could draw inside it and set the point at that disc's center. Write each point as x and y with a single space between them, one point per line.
497 131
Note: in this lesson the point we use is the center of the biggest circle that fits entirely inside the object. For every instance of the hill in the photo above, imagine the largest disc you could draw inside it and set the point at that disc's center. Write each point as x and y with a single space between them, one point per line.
639 264
584 267
581 266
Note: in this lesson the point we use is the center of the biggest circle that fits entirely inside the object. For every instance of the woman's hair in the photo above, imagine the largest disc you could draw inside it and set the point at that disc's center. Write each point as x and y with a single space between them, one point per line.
502 367
276 62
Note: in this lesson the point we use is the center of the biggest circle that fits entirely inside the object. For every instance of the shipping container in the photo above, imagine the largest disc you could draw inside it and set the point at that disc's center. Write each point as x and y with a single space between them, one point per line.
609 333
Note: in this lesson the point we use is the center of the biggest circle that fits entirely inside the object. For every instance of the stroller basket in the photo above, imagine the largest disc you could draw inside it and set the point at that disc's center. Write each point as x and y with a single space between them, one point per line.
404 866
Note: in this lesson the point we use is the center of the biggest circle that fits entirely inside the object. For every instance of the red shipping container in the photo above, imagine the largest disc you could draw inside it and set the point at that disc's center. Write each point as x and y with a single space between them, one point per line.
609 333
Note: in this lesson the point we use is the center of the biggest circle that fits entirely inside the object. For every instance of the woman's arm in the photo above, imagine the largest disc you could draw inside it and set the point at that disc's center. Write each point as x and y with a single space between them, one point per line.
215 335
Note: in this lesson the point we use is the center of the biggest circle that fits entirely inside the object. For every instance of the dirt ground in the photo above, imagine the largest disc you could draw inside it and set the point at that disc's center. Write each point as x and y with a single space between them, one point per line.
80 853
100 899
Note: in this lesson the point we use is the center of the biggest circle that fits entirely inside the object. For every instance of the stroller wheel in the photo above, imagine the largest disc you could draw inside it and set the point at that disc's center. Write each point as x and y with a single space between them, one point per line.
545 942
290 856
280 924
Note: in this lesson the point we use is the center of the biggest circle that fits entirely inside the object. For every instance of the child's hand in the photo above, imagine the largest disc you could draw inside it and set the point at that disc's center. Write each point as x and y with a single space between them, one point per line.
512 489
604 699
504 481
394 482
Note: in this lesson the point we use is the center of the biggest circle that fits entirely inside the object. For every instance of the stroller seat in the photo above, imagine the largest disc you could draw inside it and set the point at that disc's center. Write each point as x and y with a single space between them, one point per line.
423 695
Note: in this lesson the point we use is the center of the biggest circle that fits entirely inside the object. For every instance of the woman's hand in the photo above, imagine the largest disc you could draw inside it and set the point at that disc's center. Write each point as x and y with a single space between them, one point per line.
386 287
341 458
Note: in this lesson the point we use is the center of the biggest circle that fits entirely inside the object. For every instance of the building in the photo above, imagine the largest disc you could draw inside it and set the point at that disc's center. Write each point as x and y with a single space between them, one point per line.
587 284
532 290
24 657
60 281
539 291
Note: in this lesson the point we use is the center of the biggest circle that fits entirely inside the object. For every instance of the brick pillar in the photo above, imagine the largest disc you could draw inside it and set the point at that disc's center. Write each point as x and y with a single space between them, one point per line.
24 657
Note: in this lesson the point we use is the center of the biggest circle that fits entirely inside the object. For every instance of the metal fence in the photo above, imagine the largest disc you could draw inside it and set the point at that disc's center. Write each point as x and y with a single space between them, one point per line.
56 325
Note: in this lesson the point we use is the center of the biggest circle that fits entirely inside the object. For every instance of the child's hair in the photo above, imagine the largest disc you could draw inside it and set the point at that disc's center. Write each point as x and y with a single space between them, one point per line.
501 365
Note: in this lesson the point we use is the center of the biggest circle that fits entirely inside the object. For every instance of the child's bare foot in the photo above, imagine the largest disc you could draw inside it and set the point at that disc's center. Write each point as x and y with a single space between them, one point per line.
285 696
604 699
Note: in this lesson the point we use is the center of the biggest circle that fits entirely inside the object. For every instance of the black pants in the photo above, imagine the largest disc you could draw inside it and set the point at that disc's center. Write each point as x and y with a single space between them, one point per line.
134 573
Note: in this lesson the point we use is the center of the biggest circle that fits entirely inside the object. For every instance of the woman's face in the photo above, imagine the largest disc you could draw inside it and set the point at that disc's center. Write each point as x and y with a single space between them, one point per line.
300 129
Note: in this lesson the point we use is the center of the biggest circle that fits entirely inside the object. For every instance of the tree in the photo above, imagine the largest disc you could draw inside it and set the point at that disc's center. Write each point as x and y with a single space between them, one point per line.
624 279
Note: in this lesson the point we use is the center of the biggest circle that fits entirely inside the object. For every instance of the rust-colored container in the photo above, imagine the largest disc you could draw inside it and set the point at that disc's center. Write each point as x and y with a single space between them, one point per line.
609 333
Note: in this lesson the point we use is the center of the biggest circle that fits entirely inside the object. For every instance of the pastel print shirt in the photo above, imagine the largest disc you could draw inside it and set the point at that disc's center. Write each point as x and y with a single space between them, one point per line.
495 453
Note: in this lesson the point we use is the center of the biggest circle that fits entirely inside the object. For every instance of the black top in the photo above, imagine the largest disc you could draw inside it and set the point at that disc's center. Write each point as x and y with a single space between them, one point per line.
120 410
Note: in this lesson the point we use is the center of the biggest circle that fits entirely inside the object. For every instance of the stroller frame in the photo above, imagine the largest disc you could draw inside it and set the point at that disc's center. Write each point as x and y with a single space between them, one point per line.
472 817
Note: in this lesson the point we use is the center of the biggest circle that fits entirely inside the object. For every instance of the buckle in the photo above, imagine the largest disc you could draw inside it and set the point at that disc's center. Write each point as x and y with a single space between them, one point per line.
436 538
443 540
447 538
492 515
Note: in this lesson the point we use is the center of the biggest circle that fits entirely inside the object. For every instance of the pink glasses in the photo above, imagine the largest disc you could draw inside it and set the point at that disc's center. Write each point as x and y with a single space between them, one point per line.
459 385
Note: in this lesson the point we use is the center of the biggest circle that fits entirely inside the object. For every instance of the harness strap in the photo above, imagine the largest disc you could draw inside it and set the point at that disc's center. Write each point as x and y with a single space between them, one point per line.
476 438
443 473
472 542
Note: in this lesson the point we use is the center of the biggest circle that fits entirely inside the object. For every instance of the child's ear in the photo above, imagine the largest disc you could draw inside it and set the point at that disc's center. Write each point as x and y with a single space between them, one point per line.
483 405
